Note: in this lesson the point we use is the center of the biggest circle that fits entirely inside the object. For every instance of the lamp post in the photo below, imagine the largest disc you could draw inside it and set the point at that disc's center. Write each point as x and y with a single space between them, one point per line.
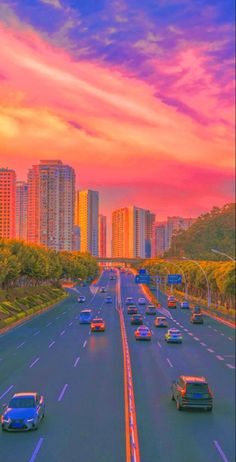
222 253
185 279
207 281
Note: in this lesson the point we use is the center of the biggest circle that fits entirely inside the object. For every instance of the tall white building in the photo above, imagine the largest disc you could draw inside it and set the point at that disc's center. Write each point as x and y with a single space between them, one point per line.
51 203
87 210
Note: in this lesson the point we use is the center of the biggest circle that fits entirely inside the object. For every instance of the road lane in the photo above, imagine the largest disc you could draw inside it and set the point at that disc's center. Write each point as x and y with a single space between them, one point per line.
165 432
88 420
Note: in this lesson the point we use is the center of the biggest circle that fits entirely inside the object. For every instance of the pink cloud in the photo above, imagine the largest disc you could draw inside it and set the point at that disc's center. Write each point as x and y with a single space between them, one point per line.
112 127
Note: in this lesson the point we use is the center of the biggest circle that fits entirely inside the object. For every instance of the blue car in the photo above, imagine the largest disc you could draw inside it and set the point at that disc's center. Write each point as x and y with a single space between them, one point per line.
184 305
108 299
85 317
24 412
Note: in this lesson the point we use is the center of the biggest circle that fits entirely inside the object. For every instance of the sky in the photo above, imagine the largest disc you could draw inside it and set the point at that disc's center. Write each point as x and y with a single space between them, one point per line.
136 95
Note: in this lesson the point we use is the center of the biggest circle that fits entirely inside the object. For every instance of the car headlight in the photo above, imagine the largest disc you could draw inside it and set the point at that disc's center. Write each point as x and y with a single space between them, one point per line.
6 419
29 420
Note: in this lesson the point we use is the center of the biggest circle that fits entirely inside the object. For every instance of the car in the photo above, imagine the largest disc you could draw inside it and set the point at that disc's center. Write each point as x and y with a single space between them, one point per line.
171 302
81 299
143 333
24 412
197 309
141 301
151 310
129 301
173 336
196 318
108 299
137 319
103 290
132 309
98 325
184 305
160 321
192 392
85 317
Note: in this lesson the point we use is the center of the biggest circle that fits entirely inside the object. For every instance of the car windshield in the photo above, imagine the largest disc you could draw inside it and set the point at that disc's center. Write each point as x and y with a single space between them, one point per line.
197 388
161 319
174 332
20 403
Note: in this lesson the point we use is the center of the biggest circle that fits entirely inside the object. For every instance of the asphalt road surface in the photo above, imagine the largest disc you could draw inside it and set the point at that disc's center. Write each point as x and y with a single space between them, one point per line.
81 376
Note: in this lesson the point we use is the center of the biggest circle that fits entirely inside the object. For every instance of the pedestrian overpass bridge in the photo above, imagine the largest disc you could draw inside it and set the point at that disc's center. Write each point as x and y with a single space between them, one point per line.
111 261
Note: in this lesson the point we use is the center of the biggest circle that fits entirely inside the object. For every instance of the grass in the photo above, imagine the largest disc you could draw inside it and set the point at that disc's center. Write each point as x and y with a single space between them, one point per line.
19 303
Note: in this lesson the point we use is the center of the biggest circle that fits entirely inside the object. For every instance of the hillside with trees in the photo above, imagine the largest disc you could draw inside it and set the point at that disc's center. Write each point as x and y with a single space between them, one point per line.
215 229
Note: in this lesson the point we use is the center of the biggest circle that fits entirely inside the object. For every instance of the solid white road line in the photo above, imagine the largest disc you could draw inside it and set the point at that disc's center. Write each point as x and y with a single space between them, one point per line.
62 392
38 446
220 358
5 392
19 346
220 451
210 350
51 344
85 343
170 364
34 362
230 366
76 361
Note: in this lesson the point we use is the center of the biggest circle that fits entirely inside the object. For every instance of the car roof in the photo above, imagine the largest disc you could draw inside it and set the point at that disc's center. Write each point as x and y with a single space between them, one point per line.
173 330
32 394
86 311
193 379
143 327
161 317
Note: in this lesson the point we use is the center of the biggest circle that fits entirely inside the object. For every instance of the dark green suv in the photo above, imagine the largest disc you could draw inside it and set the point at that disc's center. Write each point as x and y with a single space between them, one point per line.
192 392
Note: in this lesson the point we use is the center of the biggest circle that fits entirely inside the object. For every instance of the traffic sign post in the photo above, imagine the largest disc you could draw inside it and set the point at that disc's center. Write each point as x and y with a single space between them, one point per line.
174 279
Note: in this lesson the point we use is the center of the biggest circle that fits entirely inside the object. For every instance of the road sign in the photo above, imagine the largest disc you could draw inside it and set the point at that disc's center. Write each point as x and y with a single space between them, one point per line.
142 271
145 279
174 279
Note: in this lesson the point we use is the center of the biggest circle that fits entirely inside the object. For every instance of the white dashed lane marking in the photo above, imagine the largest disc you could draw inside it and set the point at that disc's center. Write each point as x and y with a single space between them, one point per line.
169 362
85 343
62 332
19 346
62 392
196 338
76 361
51 344
158 343
36 333
210 350
230 366
220 358
34 362
203 344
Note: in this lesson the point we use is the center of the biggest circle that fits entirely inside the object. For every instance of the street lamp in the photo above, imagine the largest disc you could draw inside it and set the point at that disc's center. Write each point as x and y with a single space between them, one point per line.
207 281
222 253
185 279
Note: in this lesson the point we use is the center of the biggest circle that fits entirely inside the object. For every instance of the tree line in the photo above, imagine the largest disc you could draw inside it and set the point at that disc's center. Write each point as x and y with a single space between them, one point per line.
221 277
25 265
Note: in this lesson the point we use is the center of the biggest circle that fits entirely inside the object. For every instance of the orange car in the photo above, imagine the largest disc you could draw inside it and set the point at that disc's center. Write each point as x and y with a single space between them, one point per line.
171 302
97 325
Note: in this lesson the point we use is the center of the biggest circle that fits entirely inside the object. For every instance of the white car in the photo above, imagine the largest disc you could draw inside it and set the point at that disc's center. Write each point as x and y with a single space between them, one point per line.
173 336
141 301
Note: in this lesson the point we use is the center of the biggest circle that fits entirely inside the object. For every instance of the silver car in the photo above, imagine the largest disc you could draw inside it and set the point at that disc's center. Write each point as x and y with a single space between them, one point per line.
24 412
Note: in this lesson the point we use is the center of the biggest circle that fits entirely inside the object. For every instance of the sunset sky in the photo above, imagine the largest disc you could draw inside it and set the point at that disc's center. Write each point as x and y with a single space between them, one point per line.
136 95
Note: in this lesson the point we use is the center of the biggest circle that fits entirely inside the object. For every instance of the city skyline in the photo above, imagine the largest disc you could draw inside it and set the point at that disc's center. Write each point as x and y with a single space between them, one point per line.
141 115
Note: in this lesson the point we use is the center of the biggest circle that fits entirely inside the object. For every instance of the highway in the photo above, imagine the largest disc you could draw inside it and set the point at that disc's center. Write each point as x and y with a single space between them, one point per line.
82 379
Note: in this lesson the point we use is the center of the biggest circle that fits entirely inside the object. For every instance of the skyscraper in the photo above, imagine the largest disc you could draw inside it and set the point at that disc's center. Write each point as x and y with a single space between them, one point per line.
102 236
149 222
128 232
7 203
51 202
21 209
86 217
159 239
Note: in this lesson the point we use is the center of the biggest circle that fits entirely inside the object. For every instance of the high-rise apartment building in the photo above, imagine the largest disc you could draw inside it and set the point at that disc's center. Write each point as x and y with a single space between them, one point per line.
128 232
150 219
175 224
159 239
86 217
7 203
21 209
102 236
51 202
